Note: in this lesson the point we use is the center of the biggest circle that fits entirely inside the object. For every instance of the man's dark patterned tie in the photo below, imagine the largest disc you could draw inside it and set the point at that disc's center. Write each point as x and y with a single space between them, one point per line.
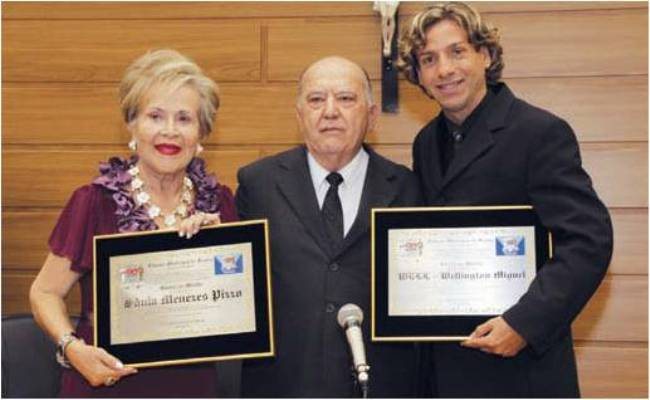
332 211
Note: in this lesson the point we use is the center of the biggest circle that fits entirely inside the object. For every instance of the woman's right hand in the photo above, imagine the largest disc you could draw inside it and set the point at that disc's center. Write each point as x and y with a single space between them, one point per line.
95 364
47 294
190 226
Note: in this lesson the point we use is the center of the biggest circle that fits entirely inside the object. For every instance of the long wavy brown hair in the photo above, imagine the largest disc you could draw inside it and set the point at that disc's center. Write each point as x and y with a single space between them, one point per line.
479 33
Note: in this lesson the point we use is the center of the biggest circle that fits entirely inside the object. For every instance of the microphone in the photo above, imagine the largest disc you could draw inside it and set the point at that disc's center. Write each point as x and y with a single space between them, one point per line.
350 317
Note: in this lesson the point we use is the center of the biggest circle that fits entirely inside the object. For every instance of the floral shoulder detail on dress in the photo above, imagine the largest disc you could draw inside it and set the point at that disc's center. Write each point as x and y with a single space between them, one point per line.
207 187
115 178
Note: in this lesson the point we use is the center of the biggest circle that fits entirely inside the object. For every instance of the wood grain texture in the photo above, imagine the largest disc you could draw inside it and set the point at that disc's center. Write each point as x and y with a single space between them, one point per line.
589 104
561 44
62 114
604 371
295 44
619 302
580 101
585 61
612 372
24 238
630 241
255 114
618 311
25 234
15 294
619 171
574 43
194 10
88 113
57 173
491 7
77 50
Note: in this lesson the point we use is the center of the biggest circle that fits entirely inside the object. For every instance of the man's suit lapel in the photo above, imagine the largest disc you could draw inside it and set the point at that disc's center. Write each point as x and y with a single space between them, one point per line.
434 178
294 182
480 137
379 190
479 140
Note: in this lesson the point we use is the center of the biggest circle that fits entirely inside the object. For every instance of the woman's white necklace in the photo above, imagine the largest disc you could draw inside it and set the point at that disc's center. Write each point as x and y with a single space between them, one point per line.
141 197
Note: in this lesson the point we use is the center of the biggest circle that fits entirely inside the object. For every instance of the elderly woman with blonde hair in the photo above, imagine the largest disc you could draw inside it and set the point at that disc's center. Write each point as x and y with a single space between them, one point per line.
169 106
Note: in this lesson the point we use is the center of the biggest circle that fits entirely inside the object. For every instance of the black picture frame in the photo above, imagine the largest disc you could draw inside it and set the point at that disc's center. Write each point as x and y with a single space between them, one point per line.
385 327
256 344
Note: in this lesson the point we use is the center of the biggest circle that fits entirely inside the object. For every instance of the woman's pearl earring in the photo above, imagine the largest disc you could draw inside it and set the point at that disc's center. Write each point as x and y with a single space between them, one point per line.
199 149
133 145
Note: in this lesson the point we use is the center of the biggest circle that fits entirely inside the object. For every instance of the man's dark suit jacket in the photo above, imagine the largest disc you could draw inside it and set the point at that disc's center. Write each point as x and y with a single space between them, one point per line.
516 154
311 281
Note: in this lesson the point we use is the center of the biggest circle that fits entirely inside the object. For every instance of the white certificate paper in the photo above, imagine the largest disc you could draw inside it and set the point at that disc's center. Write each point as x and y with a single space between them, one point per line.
180 294
458 271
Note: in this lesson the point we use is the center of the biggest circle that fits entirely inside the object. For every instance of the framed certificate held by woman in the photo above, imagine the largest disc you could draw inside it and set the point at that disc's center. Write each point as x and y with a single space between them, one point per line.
161 299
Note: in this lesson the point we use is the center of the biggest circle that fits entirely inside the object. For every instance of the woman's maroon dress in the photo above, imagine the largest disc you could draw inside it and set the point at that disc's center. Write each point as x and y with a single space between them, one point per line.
92 211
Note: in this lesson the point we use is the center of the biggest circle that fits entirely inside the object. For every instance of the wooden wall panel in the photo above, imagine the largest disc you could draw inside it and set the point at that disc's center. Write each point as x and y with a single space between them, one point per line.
199 10
490 7
67 114
89 113
24 238
620 301
612 372
586 103
25 234
585 61
57 173
619 171
182 9
293 44
15 298
41 51
609 42
578 100
630 241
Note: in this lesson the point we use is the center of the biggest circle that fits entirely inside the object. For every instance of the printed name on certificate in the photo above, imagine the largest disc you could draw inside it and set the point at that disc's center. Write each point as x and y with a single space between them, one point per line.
182 294
458 271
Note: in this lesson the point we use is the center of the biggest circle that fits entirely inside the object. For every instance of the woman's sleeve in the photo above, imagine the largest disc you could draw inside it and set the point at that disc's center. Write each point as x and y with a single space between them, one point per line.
72 236
227 208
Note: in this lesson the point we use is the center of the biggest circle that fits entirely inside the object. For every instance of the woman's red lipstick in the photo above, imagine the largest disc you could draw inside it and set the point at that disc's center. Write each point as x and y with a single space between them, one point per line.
168 149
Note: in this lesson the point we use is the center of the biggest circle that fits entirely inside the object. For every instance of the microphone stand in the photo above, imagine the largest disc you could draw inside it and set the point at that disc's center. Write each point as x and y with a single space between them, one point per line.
362 379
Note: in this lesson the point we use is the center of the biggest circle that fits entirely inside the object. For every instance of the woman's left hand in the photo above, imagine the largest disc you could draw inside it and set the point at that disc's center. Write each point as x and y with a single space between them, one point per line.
190 226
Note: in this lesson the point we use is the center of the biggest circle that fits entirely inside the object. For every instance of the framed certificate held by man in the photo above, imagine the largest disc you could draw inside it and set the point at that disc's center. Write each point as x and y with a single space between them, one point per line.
161 299
438 272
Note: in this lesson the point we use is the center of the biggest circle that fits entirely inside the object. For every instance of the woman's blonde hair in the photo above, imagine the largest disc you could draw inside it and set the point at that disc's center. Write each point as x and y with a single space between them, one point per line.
479 33
172 70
